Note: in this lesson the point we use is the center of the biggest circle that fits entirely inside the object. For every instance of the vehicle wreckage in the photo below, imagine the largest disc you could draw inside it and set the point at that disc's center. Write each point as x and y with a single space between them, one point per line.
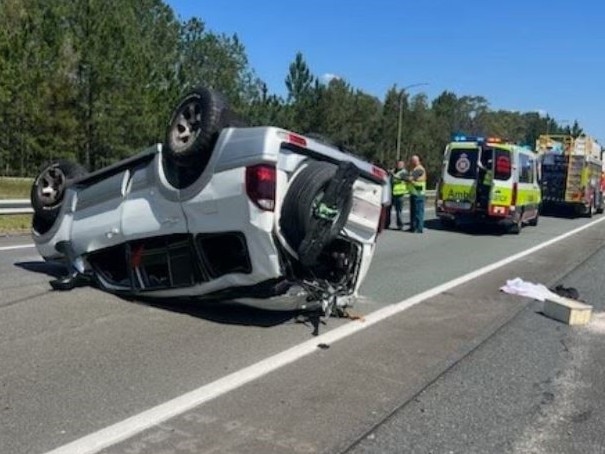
219 211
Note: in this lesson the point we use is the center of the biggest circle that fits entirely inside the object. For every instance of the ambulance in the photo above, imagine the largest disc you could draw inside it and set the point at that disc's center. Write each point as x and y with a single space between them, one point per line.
488 180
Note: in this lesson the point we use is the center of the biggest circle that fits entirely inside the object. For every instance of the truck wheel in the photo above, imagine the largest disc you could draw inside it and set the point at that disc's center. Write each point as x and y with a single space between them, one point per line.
48 189
299 210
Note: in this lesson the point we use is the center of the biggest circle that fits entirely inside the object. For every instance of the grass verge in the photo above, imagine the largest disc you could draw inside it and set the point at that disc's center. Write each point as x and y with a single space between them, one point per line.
15 188
15 223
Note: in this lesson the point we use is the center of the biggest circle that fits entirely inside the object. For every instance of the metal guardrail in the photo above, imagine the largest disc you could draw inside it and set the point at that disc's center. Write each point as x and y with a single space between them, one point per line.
23 206
15 206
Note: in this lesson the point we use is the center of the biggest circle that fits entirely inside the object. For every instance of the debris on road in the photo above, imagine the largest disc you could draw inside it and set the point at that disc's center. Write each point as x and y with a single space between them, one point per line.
567 310
520 287
560 303
567 292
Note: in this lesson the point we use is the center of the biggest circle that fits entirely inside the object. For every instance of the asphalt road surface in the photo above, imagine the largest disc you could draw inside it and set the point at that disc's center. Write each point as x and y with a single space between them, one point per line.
463 369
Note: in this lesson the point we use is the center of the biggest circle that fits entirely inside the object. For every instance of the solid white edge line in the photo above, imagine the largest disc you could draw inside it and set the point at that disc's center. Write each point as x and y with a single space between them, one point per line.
17 246
129 427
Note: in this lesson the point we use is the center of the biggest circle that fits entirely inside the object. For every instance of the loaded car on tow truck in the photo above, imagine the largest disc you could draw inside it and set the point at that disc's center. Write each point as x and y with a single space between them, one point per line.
219 211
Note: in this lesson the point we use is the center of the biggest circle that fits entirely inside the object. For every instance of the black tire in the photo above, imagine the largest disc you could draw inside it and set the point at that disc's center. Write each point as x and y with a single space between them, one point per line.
48 190
517 225
448 224
297 210
598 203
193 129
195 124
535 220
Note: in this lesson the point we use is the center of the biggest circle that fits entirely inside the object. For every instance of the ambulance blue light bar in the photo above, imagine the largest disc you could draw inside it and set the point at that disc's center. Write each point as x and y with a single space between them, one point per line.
465 138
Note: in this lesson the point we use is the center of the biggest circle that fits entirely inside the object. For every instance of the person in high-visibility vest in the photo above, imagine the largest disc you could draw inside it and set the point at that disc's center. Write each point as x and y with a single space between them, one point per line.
417 185
486 177
399 189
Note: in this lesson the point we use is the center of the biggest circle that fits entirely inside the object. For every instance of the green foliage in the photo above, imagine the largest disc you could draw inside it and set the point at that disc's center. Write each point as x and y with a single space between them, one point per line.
95 80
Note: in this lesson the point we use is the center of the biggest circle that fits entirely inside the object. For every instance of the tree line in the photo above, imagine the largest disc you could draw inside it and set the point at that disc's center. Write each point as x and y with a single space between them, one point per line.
95 80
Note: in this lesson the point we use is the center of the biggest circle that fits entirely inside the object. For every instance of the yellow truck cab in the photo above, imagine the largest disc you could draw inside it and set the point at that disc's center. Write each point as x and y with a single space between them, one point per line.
490 181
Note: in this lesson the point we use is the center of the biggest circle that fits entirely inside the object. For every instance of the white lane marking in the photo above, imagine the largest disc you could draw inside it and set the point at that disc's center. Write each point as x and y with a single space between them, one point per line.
129 427
17 246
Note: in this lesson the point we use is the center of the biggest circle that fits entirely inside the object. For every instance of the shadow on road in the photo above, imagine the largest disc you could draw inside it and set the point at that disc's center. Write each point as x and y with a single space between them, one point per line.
233 313
52 269
560 212
223 312
467 229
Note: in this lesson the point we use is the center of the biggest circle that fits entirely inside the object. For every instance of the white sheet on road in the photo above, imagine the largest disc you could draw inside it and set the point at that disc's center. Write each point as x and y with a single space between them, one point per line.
520 287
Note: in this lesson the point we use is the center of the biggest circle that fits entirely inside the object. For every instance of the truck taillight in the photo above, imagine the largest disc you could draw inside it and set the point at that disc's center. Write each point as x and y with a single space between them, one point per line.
260 185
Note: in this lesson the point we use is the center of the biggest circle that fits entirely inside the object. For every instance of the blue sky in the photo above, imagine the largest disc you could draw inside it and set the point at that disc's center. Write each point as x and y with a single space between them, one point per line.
546 55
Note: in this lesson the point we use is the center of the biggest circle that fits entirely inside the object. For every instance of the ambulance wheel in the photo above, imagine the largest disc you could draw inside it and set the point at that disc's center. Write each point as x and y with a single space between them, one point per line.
517 226
534 221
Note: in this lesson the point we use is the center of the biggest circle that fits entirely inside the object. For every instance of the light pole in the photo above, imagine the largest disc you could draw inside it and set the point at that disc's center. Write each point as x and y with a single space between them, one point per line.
400 122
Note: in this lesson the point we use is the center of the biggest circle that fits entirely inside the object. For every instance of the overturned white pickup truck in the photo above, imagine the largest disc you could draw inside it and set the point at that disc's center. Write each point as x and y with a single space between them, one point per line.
219 211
